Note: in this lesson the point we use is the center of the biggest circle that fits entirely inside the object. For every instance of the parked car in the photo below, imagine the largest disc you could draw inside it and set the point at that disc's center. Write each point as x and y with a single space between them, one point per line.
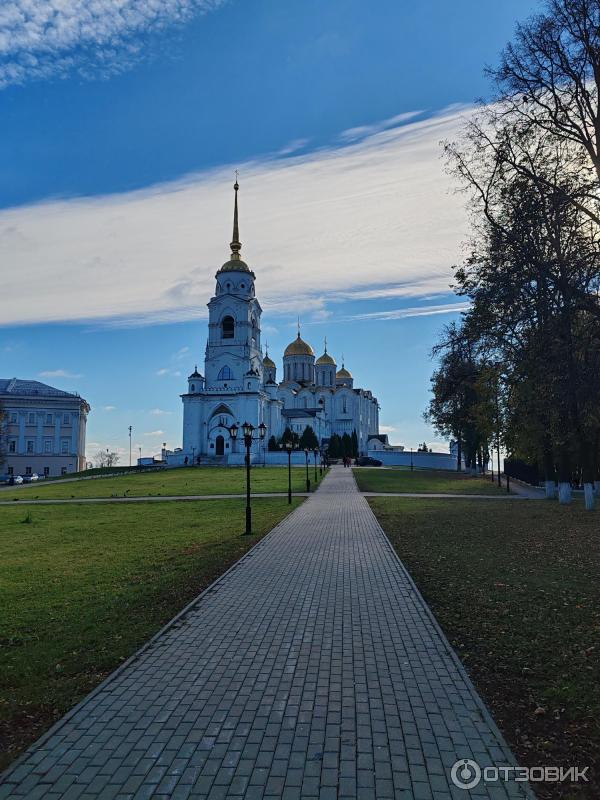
14 480
367 461
31 478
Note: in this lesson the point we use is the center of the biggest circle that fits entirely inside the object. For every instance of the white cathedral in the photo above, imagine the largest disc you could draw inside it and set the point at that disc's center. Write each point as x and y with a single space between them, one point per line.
240 384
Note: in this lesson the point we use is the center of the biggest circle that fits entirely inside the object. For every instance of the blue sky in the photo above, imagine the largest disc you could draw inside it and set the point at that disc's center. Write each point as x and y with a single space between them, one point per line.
118 143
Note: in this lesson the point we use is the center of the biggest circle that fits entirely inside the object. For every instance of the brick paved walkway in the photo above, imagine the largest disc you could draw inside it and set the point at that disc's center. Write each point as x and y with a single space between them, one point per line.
312 669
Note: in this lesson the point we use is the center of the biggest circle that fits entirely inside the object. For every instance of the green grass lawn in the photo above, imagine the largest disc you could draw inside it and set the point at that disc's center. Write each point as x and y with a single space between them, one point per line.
82 587
423 481
184 481
516 588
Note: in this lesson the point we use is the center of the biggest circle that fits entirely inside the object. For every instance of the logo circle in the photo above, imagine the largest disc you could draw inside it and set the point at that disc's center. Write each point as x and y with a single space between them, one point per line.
465 773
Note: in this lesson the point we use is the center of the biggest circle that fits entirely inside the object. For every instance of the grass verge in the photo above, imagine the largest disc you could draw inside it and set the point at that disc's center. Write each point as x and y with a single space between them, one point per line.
516 588
83 587
423 481
183 481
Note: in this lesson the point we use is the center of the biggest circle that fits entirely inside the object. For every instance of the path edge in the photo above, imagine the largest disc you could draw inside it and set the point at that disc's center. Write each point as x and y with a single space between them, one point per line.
485 712
4 776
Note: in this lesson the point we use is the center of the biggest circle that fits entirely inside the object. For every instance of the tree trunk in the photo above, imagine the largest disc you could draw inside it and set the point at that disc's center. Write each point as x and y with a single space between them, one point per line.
587 473
564 477
549 473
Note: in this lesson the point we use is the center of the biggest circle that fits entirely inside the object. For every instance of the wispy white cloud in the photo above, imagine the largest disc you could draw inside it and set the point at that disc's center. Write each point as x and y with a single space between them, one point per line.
293 147
415 311
362 131
159 412
154 433
59 373
109 408
371 219
181 353
166 371
42 38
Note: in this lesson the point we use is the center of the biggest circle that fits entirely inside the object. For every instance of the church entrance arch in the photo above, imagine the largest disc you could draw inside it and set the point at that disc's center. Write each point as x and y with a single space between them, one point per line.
220 446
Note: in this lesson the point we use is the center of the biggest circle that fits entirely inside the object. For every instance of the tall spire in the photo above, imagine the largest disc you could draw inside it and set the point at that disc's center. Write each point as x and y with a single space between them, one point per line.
236 245
325 344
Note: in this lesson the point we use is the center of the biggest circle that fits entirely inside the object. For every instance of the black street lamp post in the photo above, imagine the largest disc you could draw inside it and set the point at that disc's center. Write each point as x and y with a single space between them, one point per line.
306 452
411 460
289 446
248 430
316 453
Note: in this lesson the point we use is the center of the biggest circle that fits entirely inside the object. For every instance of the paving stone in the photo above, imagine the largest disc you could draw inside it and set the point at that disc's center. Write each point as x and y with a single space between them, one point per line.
311 670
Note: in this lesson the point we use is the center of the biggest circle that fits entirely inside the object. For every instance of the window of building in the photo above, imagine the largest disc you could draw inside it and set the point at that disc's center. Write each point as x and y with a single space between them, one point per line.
11 470
27 470
47 445
46 471
344 407
31 418
193 387
30 445
13 418
225 374
48 419
12 446
228 327
66 419
64 447
63 470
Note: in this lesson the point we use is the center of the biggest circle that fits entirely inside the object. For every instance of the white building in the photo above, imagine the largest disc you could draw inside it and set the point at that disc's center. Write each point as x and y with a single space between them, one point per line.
240 384
43 430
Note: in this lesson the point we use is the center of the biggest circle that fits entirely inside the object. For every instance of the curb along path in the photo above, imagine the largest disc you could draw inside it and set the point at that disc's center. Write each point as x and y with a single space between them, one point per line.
312 669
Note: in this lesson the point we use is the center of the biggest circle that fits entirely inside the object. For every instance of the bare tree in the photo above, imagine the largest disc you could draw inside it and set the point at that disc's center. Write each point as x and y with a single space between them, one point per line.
106 458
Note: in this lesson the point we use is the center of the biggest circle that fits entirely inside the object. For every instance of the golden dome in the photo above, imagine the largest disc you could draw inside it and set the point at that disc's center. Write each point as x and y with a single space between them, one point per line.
236 265
299 348
343 373
326 359
267 362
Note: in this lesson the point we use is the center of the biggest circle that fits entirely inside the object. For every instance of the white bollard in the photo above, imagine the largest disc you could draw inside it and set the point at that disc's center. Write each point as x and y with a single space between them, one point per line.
550 487
564 493
588 493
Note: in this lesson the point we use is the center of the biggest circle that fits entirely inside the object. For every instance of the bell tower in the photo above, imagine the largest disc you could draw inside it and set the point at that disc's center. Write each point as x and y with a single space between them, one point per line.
233 349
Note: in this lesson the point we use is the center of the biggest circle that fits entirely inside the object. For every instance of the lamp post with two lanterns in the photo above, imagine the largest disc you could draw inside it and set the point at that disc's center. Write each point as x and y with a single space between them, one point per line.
248 431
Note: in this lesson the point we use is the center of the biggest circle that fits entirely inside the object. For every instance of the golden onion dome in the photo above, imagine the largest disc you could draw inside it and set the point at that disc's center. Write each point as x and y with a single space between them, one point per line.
298 348
326 359
343 373
235 265
268 362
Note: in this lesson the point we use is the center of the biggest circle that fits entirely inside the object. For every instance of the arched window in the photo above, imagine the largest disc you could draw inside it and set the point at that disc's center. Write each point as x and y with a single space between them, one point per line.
306 402
228 327
193 387
225 374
